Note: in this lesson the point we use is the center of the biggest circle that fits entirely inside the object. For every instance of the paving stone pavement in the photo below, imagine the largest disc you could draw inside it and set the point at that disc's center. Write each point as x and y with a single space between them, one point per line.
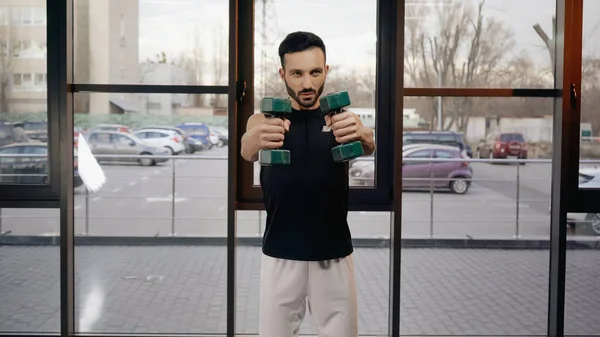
183 290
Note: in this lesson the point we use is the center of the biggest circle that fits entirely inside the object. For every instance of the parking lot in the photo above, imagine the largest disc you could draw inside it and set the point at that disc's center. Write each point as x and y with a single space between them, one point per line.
142 201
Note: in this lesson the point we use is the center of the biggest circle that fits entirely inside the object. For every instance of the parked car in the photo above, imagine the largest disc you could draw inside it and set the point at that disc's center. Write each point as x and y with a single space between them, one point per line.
453 175
222 135
186 139
200 132
7 135
34 130
32 170
589 222
168 139
122 143
504 145
450 138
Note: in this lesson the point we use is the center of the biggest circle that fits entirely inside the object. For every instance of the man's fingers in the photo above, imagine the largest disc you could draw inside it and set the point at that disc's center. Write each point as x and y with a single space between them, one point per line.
272 145
274 121
272 128
345 131
343 123
273 137
340 116
286 124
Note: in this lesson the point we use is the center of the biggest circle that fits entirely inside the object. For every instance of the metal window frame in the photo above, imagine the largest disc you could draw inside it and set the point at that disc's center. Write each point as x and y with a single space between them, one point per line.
377 198
581 200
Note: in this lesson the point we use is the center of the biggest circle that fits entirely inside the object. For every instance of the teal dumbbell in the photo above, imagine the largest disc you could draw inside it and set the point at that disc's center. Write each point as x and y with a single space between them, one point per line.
274 107
332 104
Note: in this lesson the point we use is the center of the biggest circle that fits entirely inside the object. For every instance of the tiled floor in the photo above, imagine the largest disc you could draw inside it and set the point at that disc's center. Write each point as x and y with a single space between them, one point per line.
183 289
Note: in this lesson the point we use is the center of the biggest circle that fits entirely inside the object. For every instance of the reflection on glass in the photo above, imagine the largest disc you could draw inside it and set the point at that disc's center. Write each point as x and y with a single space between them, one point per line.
23 110
470 181
478 44
590 98
165 161
29 271
174 42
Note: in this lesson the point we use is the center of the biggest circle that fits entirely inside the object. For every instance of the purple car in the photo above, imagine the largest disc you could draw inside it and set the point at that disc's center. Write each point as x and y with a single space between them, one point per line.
454 175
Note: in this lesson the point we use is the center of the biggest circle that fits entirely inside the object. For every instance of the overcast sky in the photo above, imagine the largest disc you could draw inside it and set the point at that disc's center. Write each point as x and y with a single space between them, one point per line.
347 26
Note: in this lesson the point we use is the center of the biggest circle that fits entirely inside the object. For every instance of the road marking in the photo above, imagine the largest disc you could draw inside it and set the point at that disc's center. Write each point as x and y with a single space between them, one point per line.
132 183
144 177
97 198
116 190
167 199
77 207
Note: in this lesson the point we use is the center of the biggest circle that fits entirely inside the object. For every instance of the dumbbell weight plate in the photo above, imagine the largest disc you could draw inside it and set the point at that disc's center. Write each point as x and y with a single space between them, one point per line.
274 157
334 101
348 151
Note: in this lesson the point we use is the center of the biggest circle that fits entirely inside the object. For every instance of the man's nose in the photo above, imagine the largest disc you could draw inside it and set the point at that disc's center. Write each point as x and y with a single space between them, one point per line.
306 82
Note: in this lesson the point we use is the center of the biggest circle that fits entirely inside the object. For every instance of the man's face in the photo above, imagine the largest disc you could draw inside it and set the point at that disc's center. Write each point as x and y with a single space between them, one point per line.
304 76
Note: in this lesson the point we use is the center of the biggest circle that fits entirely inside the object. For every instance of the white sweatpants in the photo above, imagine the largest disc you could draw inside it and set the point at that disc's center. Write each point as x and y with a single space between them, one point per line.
328 288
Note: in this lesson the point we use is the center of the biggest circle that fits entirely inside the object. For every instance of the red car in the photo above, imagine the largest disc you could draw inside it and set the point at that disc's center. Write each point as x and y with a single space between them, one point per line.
509 145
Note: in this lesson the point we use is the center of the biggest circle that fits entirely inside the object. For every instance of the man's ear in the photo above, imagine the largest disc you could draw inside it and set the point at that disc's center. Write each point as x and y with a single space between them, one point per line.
282 73
326 70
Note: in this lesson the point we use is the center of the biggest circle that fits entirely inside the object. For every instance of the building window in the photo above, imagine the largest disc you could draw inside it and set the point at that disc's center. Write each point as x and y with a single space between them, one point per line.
29 49
29 16
29 82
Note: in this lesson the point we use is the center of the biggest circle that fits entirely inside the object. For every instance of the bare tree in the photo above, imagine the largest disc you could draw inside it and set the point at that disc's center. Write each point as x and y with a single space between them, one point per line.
466 49
220 61
192 63
590 92
8 44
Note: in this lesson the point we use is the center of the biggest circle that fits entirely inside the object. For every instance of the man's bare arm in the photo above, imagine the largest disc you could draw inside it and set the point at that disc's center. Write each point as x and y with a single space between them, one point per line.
250 146
367 140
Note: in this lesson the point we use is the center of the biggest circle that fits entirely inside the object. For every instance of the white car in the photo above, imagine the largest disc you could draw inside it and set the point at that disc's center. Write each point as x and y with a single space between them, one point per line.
588 178
161 138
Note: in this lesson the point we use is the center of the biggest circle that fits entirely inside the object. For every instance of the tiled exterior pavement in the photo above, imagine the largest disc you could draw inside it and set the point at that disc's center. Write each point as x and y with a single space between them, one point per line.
183 290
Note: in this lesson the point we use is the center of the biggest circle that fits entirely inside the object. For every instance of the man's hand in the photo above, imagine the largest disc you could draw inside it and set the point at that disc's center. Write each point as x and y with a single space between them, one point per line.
263 133
347 127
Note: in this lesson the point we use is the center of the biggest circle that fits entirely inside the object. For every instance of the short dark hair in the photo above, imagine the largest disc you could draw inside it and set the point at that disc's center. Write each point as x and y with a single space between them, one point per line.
300 41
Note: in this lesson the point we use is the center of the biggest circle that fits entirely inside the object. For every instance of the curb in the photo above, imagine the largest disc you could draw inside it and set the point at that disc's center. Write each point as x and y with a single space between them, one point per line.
445 243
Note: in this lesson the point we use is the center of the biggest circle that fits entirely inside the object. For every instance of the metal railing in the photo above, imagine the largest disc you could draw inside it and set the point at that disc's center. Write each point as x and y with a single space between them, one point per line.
175 175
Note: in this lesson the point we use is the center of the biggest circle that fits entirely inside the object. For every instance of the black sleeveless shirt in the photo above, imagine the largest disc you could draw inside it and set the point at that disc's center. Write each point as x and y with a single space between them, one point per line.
307 201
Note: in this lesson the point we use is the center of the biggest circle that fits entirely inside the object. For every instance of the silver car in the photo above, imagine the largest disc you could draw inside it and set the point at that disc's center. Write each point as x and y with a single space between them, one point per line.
123 143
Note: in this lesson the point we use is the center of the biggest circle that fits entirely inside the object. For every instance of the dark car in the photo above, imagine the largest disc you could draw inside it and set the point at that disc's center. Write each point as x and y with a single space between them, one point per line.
200 132
450 138
28 170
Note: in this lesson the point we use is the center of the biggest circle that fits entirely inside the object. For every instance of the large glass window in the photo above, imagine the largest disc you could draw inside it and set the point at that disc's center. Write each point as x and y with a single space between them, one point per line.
23 90
166 178
351 53
590 93
483 183
350 37
478 44
151 42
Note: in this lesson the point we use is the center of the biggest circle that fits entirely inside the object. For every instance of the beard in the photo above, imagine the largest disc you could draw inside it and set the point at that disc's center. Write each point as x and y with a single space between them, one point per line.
305 103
